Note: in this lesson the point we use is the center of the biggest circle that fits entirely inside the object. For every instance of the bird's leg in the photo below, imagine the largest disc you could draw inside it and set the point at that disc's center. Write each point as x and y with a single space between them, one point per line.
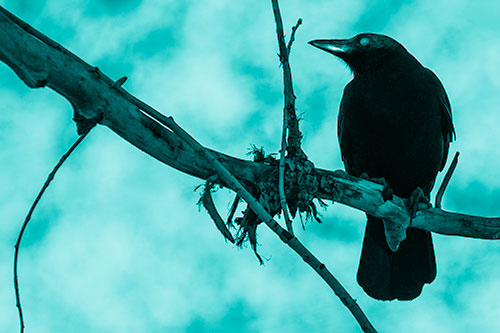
387 192
416 201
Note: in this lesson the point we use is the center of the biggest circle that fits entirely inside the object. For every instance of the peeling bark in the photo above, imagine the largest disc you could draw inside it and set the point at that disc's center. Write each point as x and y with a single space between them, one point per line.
40 62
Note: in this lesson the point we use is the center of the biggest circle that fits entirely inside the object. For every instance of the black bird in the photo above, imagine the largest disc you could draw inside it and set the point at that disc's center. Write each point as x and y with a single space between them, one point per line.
394 122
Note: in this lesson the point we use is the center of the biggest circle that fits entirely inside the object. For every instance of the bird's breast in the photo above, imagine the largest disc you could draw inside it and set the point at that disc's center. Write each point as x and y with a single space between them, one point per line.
389 126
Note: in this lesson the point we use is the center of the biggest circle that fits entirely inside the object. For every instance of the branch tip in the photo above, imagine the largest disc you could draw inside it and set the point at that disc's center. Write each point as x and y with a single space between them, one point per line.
292 36
118 83
446 180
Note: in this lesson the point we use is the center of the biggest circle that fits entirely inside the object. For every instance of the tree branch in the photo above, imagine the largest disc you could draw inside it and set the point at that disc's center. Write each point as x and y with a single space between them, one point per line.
38 63
294 135
28 218
284 235
90 90
290 123
292 36
367 196
292 145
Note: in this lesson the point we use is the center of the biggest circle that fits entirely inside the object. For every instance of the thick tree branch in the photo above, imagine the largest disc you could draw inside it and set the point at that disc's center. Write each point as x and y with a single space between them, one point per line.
89 91
40 64
365 195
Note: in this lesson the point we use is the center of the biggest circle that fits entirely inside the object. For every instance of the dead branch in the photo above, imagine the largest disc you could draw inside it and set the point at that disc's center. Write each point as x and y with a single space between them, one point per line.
284 235
365 195
209 205
288 109
28 218
38 63
289 143
292 144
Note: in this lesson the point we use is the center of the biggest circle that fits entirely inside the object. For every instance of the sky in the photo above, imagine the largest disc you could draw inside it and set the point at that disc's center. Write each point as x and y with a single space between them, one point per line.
118 244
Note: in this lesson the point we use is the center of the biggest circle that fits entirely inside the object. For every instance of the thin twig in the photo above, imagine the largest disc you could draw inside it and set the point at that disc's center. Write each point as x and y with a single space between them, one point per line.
284 235
292 36
288 111
446 180
281 179
294 135
234 206
209 205
281 183
27 219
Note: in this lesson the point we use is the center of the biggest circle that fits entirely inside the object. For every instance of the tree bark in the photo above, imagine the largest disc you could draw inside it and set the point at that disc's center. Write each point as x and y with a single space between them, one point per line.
40 62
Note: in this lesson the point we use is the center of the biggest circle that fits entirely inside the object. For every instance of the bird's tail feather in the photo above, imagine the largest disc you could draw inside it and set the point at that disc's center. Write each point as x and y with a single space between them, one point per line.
387 275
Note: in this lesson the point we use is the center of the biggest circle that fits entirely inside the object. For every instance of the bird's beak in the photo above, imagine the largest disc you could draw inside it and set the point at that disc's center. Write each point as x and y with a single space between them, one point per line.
337 47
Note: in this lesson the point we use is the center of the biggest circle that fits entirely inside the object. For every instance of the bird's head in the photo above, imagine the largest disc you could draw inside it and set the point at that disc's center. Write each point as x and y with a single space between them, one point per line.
364 52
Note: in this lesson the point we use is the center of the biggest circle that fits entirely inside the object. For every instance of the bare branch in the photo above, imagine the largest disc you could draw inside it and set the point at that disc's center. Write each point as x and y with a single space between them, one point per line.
292 36
292 145
281 181
28 218
34 59
209 205
367 196
281 185
294 135
29 56
289 116
284 235
446 180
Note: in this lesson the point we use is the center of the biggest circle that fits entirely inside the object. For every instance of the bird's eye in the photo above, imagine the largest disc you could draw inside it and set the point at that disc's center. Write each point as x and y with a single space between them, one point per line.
364 41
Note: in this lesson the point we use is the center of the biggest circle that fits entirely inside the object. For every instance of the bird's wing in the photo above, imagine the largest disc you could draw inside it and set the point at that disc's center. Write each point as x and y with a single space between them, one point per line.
344 140
446 117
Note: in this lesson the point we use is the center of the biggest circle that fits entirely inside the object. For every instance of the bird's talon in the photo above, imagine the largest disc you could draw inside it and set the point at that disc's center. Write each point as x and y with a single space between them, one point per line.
417 201
364 175
387 192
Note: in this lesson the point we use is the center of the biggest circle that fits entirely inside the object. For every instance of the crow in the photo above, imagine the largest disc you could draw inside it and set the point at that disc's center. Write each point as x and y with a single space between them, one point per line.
394 123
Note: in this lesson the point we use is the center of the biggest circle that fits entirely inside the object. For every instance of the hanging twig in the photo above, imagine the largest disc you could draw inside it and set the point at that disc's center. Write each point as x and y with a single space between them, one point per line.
27 219
209 205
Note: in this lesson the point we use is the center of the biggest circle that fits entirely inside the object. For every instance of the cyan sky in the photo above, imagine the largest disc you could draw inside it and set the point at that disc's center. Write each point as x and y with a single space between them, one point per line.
118 244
